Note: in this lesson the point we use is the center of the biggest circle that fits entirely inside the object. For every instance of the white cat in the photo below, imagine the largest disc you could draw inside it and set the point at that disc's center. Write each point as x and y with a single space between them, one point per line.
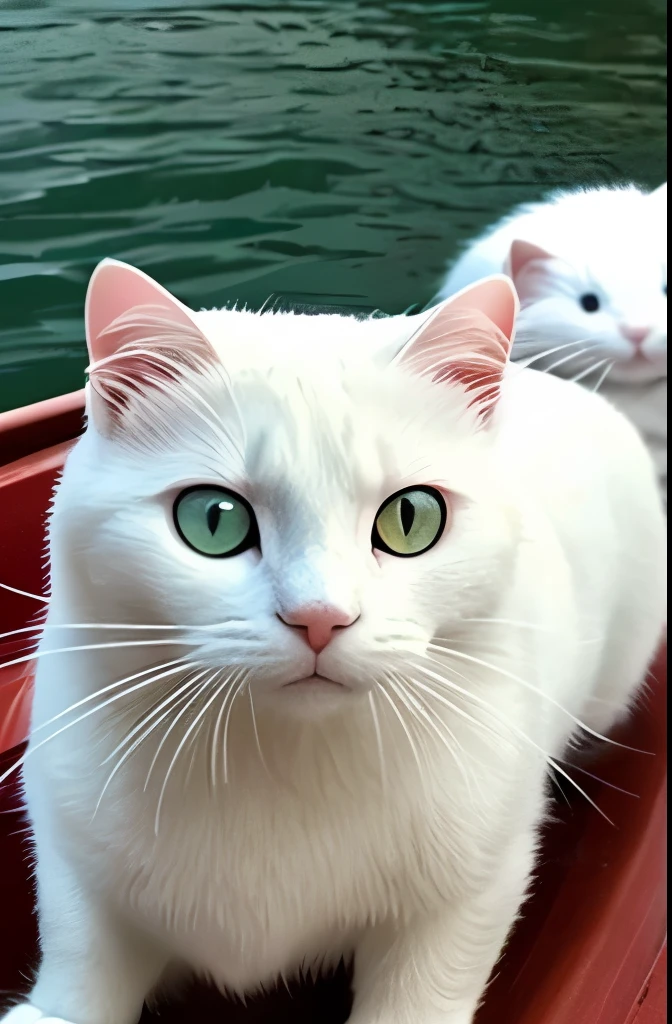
363 605
590 268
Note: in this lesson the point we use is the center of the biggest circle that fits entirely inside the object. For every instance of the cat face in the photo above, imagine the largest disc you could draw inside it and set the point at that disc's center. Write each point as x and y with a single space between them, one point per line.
309 499
601 302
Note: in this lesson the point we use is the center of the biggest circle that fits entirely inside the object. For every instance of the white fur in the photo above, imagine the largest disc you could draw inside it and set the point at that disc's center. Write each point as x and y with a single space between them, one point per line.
610 241
344 821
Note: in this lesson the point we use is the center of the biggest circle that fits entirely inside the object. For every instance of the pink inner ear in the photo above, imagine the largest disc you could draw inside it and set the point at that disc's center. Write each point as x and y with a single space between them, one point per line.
466 341
493 297
457 343
522 253
114 289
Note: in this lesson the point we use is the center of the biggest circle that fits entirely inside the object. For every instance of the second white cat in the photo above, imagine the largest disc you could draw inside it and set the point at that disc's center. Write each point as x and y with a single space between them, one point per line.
590 268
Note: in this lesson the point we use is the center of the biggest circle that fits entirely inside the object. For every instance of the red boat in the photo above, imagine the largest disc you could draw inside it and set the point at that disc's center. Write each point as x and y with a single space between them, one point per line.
590 948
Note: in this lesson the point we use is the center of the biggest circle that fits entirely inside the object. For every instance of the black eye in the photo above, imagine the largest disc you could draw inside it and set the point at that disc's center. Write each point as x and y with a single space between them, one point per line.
590 302
215 522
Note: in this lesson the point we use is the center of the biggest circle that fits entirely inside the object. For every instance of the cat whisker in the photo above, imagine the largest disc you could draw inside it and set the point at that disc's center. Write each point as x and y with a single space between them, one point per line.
561 771
154 710
399 688
415 472
410 704
226 726
556 784
425 712
179 662
171 701
379 740
566 359
25 593
549 351
512 622
256 731
42 626
187 734
518 732
533 689
404 727
100 647
235 676
98 707
197 688
591 369
458 745
474 698
604 376
597 778
489 709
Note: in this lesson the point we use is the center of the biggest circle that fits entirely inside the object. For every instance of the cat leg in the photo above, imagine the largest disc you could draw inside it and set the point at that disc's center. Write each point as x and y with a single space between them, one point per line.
95 969
434 970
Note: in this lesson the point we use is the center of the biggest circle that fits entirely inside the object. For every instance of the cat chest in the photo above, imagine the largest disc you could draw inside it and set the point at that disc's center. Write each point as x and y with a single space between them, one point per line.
273 881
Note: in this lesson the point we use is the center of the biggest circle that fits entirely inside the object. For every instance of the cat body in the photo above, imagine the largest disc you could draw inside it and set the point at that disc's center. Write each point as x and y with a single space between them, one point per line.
372 790
590 268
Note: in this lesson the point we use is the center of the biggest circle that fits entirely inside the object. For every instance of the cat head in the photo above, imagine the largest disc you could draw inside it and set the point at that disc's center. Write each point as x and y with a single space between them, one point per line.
597 296
310 500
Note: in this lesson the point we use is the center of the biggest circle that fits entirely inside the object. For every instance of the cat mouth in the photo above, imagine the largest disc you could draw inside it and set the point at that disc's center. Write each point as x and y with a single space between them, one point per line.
642 359
635 359
314 682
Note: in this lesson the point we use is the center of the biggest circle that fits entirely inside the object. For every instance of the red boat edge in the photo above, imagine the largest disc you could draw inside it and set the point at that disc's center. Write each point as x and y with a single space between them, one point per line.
590 947
25 431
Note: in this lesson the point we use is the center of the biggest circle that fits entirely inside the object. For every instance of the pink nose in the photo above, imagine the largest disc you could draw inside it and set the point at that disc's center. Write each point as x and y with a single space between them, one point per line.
637 335
319 621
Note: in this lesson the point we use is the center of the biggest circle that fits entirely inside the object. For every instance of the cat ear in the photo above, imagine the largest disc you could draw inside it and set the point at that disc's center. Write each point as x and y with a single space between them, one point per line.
139 337
116 289
467 339
520 254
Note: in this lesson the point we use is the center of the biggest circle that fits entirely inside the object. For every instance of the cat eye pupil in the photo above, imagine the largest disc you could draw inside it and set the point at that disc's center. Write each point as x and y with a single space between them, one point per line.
214 522
212 518
407 515
410 522
590 302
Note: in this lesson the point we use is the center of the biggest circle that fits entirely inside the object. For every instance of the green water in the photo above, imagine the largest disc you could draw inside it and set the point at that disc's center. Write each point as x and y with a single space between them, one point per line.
334 152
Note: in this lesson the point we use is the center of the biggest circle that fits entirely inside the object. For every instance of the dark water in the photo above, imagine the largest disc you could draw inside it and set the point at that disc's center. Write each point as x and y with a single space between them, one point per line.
335 152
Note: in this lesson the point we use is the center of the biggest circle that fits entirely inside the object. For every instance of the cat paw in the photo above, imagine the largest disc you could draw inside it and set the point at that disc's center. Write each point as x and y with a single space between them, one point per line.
27 1014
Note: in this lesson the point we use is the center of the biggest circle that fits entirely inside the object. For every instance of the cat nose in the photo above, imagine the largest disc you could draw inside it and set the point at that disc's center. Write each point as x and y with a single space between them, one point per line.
637 335
319 622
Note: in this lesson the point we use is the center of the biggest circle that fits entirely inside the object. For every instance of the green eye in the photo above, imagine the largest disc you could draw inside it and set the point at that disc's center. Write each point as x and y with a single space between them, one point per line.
410 522
215 522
